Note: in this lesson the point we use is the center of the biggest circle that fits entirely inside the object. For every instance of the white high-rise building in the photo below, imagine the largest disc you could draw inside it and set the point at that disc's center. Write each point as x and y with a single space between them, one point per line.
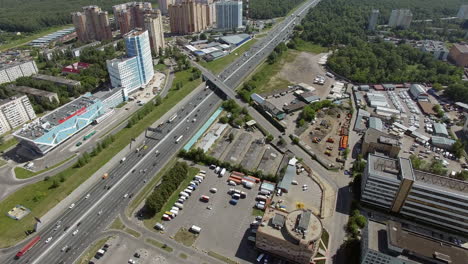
400 18
228 15
12 71
154 25
14 112
136 70
374 17
463 12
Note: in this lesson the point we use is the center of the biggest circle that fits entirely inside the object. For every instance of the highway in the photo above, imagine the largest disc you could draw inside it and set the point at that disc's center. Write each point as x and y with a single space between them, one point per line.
90 216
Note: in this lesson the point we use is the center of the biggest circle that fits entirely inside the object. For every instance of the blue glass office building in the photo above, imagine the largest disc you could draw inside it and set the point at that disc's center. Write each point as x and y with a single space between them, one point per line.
229 15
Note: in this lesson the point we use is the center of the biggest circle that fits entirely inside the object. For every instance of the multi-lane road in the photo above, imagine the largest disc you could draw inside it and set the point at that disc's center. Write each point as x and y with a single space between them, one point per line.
91 215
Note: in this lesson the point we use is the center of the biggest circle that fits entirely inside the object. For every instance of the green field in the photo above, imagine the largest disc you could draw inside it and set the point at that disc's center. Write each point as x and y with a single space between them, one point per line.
185 237
218 65
40 198
158 244
149 223
221 257
8 144
31 37
309 47
21 173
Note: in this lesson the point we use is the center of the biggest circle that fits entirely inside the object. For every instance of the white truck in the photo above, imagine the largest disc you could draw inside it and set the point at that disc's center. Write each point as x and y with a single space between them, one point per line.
222 172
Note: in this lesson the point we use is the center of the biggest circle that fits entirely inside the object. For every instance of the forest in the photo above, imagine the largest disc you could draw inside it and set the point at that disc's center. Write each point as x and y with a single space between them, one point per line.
34 15
265 9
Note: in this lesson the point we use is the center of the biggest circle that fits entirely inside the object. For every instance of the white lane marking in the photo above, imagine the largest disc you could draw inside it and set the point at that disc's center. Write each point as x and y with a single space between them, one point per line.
227 78
117 183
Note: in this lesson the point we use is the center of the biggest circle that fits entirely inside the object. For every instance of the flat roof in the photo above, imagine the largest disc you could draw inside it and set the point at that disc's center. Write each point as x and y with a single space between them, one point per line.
288 178
423 246
373 135
376 123
33 91
463 48
383 166
56 79
440 129
426 107
235 39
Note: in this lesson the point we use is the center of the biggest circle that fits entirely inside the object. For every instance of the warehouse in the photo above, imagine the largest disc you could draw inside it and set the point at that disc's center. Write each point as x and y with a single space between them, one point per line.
440 130
418 92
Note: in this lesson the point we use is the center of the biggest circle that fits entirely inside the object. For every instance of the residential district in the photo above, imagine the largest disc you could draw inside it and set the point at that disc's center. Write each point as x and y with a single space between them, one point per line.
124 141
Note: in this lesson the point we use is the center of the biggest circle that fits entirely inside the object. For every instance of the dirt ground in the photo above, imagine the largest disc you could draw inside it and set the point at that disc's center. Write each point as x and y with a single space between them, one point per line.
304 69
327 125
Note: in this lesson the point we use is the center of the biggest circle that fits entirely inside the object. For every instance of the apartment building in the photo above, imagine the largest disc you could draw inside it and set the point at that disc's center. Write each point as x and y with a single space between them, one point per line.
164 5
36 93
228 15
131 15
92 24
14 112
393 184
373 19
136 70
400 18
189 17
11 71
463 12
292 236
70 84
154 25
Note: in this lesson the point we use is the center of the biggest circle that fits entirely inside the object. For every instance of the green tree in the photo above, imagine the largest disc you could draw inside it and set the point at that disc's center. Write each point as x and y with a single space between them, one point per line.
457 148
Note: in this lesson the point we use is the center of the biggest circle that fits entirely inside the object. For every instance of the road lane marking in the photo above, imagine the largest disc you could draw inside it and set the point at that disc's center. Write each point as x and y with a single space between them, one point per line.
46 251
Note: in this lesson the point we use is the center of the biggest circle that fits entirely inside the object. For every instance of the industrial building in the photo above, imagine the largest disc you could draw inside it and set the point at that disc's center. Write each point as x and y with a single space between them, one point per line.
440 130
14 112
92 24
293 236
47 132
406 244
400 18
393 185
442 142
377 99
376 141
136 70
376 123
418 92
63 35
459 54
289 175
436 48
38 94
11 71
235 40
228 15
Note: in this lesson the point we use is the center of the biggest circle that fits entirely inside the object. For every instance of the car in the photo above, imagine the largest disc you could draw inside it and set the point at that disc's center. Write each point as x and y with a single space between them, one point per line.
213 190
233 201
136 255
71 206
75 232
131 261
57 227
65 248
48 240
125 195
87 196
100 212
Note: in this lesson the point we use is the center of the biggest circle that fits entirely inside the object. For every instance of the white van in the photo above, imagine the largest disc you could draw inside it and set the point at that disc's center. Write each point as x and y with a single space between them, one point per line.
184 194
217 169
195 229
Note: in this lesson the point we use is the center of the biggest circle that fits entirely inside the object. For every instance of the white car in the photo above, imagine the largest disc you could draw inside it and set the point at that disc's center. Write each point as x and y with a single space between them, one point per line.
131 261
213 190
48 240
87 196
126 195
71 206
75 232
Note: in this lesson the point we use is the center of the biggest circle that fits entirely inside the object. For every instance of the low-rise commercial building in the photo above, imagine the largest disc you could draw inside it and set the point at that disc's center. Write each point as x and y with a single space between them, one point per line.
442 142
393 185
459 54
376 141
14 112
70 84
11 71
293 236
38 94
418 92
436 48
440 130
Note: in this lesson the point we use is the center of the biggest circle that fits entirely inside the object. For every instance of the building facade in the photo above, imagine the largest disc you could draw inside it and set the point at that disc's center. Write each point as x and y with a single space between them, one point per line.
400 18
14 112
459 55
436 48
418 92
228 15
12 71
136 70
164 5
395 186
463 12
154 25
37 94
188 17
374 17
292 236
92 24
131 15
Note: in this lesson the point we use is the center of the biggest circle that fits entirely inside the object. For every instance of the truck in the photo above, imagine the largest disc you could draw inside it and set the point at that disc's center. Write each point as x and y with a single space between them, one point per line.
27 247
89 135
179 138
172 118
222 172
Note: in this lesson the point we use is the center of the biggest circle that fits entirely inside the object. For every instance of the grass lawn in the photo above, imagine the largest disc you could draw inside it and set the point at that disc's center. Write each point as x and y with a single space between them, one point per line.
183 256
257 212
117 224
159 244
39 198
2 162
218 65
263 77
132 232
19 42
89 254
7 144
309 47
22 173
325 237
160 67
221 257
185 237
149 223
121 105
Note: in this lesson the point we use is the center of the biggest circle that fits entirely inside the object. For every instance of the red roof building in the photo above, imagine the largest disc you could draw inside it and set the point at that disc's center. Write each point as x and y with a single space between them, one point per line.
75 68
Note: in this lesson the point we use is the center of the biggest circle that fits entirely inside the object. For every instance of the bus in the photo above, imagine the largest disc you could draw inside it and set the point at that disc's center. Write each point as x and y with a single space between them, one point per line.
27 247
178 139
89 135
172 118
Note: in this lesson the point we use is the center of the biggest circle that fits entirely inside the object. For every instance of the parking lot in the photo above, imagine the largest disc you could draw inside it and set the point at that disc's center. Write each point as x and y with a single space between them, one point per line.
224 227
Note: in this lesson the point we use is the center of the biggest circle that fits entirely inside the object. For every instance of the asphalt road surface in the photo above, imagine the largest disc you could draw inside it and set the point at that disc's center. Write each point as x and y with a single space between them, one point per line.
90 215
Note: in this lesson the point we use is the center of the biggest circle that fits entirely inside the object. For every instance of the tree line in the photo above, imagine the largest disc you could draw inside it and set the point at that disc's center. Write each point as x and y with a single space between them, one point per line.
266 9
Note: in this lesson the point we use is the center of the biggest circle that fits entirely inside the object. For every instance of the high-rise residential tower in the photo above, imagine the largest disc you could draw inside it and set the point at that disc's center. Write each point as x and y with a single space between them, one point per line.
228 15
400 18
374 17
130 15
154 25
136 70
92 24
164 5
188 17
